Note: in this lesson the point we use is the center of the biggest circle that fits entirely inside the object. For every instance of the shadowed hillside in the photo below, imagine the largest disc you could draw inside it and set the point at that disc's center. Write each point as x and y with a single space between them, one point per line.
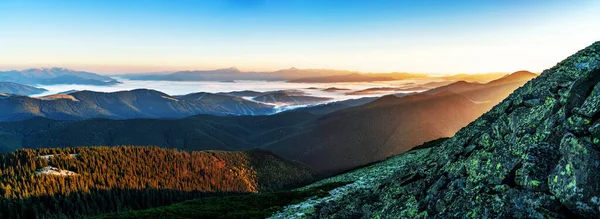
390 125
201 132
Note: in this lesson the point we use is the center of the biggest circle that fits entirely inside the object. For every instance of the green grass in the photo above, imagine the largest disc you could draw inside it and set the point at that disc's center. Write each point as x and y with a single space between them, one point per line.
245 206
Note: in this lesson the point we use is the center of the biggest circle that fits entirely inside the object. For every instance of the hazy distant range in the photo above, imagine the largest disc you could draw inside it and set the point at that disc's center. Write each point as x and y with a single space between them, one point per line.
186 87
333 84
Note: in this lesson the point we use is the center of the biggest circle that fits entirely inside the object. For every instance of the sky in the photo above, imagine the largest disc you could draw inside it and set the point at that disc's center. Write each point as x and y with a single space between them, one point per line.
422 36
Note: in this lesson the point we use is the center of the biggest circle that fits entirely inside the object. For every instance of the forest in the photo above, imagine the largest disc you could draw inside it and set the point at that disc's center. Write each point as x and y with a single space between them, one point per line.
86 181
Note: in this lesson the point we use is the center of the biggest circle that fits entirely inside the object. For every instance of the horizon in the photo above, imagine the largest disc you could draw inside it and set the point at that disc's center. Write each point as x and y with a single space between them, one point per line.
115 37
244 71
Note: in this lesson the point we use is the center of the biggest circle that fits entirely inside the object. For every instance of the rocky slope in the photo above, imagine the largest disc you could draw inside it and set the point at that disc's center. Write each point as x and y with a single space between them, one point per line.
534 155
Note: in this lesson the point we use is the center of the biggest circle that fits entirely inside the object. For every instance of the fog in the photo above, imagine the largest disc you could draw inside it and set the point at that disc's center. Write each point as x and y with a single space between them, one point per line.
181 88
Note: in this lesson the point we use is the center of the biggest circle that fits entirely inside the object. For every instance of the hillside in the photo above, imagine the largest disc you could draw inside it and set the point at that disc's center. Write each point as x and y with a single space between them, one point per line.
19 89
133 178
202 132
534 155
387 126
374 131
141 103
50 76
505 84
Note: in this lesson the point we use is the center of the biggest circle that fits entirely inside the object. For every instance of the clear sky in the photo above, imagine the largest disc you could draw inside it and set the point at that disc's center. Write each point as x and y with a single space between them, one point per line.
427 36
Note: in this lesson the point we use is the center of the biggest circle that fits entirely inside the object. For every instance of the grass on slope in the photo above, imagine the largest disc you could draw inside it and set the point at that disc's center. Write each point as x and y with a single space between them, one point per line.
247 206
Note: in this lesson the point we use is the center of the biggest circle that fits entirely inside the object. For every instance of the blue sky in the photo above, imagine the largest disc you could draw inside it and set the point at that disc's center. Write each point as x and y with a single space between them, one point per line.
429 36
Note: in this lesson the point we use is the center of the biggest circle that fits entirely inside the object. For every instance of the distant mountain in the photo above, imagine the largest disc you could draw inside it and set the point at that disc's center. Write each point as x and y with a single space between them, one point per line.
249 93
230 74
508 83
335 89
134 178
514 77
295 73
227 74
359 77
480 78
19 89
69 92
291 74
246 93
283 98
326 108
380 90
356 77
50 76
139 103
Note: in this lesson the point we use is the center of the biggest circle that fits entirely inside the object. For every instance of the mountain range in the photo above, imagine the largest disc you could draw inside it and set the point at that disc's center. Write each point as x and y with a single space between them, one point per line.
356 77
50 76
327 143
295 75
230 74
139 103
389 125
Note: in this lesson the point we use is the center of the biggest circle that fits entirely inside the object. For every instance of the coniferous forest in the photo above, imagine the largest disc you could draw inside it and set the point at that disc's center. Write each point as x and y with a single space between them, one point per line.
86 181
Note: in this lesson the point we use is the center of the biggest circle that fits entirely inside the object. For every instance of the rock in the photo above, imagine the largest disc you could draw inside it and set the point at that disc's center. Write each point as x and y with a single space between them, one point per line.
591 106
574 180
532 102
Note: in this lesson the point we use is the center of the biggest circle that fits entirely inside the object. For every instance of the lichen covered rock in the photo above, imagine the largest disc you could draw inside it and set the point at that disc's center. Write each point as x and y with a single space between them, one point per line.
534 155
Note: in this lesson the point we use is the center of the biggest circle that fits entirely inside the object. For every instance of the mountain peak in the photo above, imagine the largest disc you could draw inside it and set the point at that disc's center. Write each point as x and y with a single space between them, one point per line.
50 69
230 69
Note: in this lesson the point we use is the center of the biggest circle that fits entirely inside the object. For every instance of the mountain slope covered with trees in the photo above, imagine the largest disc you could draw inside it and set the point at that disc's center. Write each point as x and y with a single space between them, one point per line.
109 179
